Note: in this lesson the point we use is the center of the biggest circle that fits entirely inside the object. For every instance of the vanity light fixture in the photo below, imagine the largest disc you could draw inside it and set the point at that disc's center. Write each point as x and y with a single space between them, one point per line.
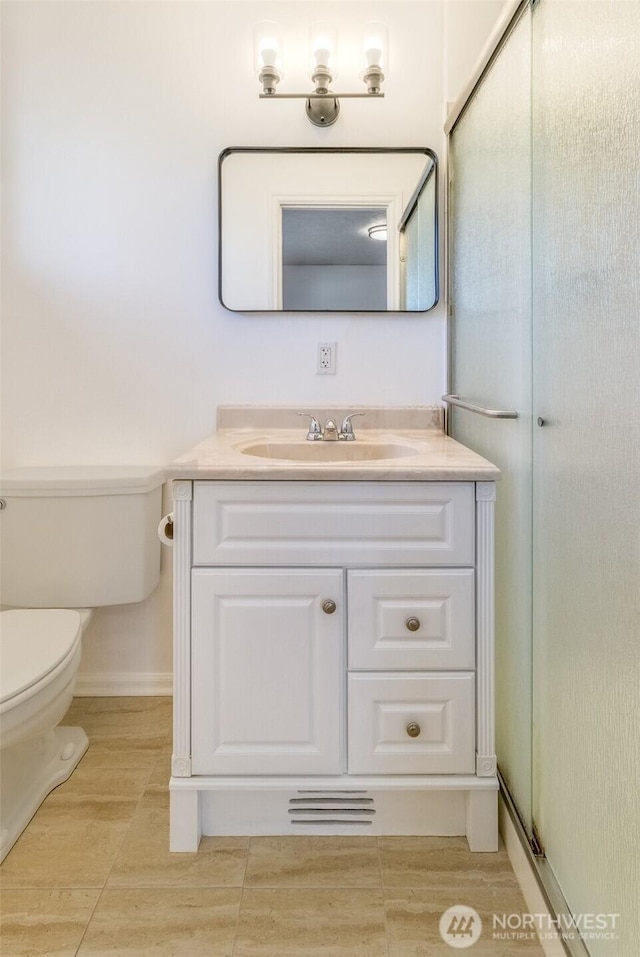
378 232
323 104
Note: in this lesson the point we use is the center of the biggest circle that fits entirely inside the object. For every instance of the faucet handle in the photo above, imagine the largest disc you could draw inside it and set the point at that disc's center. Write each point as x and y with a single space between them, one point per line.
346 429
315 430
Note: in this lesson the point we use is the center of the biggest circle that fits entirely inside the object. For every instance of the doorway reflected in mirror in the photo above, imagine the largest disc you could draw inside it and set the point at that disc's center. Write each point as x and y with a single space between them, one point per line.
331 261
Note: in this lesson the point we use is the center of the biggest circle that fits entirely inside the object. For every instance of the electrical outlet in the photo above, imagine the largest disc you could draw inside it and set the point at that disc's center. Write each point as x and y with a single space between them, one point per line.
327 358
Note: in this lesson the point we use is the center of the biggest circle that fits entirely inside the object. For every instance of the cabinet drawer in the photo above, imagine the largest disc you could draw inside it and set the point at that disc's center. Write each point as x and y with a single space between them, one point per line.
330 523
384 709
411 618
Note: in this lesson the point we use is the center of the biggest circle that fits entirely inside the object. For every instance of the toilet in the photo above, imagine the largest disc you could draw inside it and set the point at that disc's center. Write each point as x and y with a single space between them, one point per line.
71 540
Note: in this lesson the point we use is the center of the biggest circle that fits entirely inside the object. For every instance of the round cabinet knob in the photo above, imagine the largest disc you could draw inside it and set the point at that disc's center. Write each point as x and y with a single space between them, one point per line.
413 729
413 624
329 606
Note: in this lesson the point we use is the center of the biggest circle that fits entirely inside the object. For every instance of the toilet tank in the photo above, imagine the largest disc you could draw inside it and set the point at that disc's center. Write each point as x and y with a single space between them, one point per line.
79 537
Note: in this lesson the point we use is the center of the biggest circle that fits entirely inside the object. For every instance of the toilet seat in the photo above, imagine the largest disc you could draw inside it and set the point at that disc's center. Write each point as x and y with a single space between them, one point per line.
34 645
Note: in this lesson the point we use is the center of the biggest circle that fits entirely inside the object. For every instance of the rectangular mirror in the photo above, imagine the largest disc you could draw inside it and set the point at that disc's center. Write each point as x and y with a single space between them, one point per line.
328 230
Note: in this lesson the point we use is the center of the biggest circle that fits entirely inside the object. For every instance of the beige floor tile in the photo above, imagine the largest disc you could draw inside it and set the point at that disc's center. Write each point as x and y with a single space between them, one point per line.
77 709
313 862
145 859
287 922
156 792
44 923
93 795
90 797
66 813
413 922
130 783
141 722
123 732
64 855
160 705
161 770
437 861
118 754
154 799
508 901
163 922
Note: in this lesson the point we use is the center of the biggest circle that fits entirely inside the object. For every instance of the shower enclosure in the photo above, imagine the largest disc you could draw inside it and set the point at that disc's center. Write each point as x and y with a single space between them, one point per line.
544 285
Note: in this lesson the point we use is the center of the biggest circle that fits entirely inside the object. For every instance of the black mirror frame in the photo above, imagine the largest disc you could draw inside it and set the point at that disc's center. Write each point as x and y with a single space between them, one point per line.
433 171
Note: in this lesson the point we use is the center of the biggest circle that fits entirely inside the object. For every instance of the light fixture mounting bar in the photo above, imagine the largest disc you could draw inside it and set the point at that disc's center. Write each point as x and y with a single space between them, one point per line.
321 96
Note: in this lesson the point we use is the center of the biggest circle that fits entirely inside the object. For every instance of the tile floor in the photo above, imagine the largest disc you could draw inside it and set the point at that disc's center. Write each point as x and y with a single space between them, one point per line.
92 875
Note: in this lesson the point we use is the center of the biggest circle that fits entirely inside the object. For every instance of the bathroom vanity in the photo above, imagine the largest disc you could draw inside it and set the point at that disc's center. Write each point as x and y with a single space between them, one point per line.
333 633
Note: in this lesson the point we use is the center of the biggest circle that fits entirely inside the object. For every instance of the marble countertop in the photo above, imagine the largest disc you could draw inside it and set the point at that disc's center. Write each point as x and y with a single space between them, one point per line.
431 456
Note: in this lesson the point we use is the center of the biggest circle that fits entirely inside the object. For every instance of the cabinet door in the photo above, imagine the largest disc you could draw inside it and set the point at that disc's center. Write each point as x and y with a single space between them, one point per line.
267 667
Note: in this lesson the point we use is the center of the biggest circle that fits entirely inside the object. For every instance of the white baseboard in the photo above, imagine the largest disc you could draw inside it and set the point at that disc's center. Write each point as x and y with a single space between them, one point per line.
525 874
120 684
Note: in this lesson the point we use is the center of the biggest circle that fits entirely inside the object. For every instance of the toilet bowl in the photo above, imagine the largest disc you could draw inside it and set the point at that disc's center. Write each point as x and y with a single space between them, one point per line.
40 655
77 538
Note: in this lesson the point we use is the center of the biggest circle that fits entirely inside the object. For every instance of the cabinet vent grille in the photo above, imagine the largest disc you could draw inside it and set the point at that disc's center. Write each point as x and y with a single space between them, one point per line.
332 807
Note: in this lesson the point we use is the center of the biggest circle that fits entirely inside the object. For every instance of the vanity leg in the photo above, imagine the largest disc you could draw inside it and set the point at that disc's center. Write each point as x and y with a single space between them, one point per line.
184 820
482 820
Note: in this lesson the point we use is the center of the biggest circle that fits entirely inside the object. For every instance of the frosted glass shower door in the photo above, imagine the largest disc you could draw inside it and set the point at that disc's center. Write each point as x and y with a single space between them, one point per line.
489 272
586 299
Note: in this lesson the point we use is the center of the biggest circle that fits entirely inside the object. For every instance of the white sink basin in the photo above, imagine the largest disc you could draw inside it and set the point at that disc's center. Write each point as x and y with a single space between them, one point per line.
312 452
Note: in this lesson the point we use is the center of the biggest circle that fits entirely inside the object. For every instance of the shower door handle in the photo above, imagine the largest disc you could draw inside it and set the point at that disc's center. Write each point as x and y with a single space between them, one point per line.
490 413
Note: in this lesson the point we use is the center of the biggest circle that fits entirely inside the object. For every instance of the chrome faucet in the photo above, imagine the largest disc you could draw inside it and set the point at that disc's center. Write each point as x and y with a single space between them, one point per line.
315 432
330 432
346 429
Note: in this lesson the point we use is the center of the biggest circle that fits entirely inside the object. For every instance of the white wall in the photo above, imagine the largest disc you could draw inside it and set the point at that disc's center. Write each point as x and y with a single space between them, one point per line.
115 348
467 26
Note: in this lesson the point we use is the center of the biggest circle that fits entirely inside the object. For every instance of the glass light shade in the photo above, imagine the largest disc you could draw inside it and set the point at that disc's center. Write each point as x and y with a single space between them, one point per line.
267 47
375 46
323 42
378 232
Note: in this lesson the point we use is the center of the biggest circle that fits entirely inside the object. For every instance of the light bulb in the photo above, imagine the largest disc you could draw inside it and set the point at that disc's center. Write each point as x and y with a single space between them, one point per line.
375 46
372 51
269 51
322 53
266 48
322 43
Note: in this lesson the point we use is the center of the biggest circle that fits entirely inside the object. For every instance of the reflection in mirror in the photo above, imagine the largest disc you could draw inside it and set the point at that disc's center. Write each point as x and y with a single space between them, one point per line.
315 230
330 261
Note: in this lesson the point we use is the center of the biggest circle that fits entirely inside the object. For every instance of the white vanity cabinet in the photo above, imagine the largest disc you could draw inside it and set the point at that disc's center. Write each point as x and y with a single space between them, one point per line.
333 659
